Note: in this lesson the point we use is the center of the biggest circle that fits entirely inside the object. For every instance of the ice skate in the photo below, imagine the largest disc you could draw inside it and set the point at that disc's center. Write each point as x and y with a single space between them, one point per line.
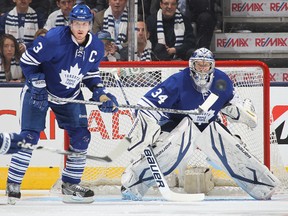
13 193
74 193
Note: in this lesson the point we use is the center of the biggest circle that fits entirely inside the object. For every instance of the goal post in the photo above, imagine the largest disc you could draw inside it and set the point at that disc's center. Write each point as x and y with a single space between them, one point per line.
251 79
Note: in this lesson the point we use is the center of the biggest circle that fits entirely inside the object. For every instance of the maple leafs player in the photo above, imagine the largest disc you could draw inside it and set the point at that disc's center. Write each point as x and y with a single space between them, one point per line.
203 88
56 65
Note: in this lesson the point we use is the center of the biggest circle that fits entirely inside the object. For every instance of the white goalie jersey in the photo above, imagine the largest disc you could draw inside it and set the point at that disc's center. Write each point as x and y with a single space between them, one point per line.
241 111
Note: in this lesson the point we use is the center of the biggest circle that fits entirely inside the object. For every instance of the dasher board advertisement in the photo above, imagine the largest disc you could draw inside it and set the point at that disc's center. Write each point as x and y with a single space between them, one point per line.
258 8
251 43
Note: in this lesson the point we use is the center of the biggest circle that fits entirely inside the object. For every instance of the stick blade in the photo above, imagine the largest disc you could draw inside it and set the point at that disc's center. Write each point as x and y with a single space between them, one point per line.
103 159
178 197
212 98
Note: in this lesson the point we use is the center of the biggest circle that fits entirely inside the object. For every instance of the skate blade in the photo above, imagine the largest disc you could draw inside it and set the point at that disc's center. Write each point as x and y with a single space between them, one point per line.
75 199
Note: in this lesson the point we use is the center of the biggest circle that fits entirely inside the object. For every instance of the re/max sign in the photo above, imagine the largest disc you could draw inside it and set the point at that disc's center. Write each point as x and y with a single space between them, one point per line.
256 7
256 42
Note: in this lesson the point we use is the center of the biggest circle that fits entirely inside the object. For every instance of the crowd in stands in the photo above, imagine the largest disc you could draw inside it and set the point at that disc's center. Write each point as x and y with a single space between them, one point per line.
166 29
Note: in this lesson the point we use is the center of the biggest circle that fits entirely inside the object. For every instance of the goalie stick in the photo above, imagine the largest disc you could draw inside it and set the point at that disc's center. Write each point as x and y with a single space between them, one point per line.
122 146
64 152
162 184
154 167
157 174
136 107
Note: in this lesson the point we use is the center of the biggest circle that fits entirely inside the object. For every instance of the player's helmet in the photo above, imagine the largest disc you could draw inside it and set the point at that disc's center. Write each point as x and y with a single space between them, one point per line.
81 12
202 64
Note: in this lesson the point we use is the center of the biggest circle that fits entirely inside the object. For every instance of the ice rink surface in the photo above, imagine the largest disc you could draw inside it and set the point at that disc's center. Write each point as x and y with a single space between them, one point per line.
44 204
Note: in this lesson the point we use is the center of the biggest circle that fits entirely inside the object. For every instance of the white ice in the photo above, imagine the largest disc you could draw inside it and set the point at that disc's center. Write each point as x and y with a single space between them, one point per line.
43 203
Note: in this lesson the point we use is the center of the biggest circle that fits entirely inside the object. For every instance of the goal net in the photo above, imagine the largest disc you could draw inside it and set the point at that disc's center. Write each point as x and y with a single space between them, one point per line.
251 80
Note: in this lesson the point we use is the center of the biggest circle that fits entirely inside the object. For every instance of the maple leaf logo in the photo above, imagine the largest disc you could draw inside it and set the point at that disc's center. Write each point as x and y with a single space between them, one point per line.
71 78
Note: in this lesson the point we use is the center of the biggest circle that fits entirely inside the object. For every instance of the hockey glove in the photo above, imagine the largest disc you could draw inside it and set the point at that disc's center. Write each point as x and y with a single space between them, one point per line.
109 105
9 143
242 111
39 95
109 101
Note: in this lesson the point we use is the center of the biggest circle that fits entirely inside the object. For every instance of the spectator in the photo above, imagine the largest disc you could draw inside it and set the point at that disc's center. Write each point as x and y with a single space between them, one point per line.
114 20
10 70
203 17
171 33
42 8
143 44
21 22
108 42
60 16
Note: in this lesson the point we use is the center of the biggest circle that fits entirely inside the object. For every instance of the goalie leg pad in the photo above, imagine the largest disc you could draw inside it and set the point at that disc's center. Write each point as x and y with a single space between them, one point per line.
246 170
145 131
169 151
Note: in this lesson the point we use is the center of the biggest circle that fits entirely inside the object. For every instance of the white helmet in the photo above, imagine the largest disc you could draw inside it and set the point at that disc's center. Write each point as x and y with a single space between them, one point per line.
202 64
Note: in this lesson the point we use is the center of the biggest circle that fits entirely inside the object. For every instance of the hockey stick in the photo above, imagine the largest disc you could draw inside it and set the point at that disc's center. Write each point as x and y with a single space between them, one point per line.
136 107
162 184
125 144
122 90
64 152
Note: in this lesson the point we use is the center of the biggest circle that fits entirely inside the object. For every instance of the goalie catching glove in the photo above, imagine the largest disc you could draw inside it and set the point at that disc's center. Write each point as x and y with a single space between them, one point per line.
109 101
241 111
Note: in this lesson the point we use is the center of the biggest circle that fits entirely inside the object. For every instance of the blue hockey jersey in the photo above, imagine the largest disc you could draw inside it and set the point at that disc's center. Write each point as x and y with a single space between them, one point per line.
177 92
64 62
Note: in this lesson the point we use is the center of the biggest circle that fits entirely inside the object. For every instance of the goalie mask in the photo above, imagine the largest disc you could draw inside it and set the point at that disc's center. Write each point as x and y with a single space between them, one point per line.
202 64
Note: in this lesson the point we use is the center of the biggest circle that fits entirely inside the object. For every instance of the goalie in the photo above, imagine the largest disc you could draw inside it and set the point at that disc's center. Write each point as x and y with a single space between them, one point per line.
208 92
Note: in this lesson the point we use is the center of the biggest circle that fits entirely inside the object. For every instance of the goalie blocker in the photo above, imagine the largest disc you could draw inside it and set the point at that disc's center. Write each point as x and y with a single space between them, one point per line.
219 146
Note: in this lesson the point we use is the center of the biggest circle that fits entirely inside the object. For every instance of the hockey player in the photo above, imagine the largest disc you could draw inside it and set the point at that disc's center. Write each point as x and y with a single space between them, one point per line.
55 66
207 91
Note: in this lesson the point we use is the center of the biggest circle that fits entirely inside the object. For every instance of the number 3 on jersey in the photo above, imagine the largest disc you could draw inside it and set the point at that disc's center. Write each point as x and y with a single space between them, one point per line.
157 94
37 48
